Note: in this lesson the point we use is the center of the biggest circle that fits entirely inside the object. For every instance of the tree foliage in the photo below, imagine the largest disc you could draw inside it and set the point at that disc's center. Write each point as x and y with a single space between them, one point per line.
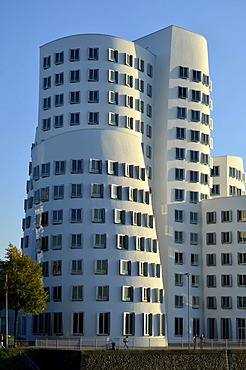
25 285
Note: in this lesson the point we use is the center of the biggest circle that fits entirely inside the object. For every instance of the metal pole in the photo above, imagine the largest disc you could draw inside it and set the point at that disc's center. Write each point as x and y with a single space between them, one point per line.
188 309
6 311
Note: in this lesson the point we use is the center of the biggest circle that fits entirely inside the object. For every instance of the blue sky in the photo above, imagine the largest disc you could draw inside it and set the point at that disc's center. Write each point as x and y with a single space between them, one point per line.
26 25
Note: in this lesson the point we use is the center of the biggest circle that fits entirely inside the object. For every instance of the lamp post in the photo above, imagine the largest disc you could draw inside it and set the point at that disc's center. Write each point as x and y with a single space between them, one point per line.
188 308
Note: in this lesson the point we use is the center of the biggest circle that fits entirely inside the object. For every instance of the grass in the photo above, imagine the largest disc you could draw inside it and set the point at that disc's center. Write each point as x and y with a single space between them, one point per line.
10 360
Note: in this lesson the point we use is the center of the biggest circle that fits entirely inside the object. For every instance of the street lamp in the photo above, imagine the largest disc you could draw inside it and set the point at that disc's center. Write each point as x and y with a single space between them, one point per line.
188 308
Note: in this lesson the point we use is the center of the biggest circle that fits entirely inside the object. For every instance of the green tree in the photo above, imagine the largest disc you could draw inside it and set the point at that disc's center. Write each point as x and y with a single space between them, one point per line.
25 285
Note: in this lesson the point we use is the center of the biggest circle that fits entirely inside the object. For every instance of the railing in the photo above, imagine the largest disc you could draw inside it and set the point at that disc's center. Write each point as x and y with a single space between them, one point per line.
134 343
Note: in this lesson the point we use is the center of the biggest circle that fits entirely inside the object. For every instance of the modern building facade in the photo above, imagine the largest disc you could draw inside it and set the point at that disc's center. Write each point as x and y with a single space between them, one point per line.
121 181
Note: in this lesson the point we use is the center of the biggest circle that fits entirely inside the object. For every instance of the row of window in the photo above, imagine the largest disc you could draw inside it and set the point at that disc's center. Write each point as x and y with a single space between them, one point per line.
74 55
226 302
93 118
96 191
179 196
226 280
179 280
194 156
179 258
195 136
193 116
226 237
195 95
128 294
226 259
179 216
52 323
194 75
180 239
226 216
236 174
193 176
93 75
99 241
95 166
98 215
179 302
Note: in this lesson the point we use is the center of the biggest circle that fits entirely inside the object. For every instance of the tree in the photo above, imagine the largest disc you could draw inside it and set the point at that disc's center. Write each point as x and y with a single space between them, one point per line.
25 285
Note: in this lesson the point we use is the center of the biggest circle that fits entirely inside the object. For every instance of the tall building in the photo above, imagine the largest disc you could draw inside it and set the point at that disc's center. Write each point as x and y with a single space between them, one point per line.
120 184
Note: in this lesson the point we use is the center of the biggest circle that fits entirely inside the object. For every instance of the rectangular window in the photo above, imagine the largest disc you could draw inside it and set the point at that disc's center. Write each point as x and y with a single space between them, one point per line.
149 70
76 191
211 259
59 79
226 302
178 215
178 326
93 53
195 281
77 293
178 301
56 267
211 281
57 323
76 215
119 216
76 241
178 237
146 294
125 267
241 235
204 159
93 118
149 90
112 168
211 303
194 176
59 58
205 99
113 97
98 215
56 241
241 258
149 110
74 97
195 115
78 323
102 293
115 191
113 55
46 83
122 241
128 323
241 303
148 323
194 196
140 64
75 76
129 122
95 166
204 179
113 119
59 100
193 238
179 195
226 280
194 259
194 156
183 72
128 80
93 75
46 103
182 92
195 136
180 153
196 95
205 121
57 293
180 133
58 121
241 216
60 167
179 174
113 76
195 302
77 166
181 113
226 216
211 238
93 96
97 190
226 237
129 59
241 280
74 55
101 267
57 217
196 75
99 241
45 169
179 279
127 293
211 217
77 267
74 119
178 258
46 62
215 171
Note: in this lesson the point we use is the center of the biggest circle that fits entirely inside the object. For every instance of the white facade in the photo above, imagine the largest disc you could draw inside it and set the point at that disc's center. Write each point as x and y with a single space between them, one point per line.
120 185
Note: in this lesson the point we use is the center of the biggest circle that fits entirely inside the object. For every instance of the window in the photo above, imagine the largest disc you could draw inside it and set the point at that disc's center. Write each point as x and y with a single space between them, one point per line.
57 293
205 139
60 167
125 267
129 122
195 302
58 121
122 241
113 76
178 301
45 169
93 53
139 243
113 55
196 76
149 90
129 59
76 166
93 96
93 118
204 159
241 280
226 237
178 237
182 92
57 217
56 241
77 267
59 58
77 293
205 119
241 236
76 215
215 190
45 268
180 133
194 156
179 174
195 115
98 215
204 178
179 279
113 119
178 215
46 83
115 191
178 326
211 281
196 95
226 280
146 294
211 217
193 238
194 176
140 64
45 218
140 105
179 195
128 323
95 166
194 259
195 136
211 303
44 243
113 97
74 119
180 153
46 62
128 101
215 171
76 191
93 75
99 241
226 259
97 190
119 216
149 110
47 103
211 259
127 293
195 281
56 267
59 79
178 258
128 80
149 70
241 258
46 124
59 100
74 55
136 218
102 293
181 113
74 97
183 72
226 216
211 238
103 323
194 196
241 302
76 241
112 168
205 80
148 151
101 267
78 323
147 323
241 216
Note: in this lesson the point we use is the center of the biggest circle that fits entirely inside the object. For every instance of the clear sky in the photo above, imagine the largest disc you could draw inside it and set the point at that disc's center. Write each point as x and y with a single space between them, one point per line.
27 24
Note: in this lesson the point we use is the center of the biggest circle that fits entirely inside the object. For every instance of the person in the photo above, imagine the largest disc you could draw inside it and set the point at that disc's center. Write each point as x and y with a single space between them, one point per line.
195 341
107 343
125 341
202 340
1 341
